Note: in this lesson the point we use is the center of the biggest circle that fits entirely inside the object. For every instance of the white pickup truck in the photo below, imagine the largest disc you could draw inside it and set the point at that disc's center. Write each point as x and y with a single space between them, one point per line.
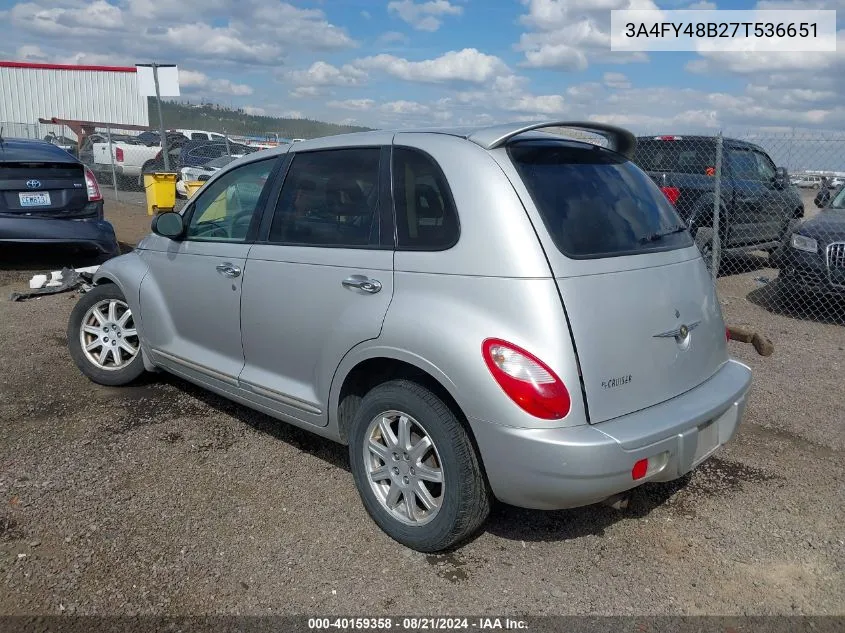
128 155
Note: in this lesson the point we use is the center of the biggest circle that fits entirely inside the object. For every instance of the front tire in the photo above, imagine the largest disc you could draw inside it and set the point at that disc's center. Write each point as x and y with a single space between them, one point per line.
102 338
416 468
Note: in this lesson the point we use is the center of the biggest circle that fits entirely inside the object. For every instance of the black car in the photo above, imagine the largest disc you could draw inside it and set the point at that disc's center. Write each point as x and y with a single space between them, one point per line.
48 196
812 257
758 203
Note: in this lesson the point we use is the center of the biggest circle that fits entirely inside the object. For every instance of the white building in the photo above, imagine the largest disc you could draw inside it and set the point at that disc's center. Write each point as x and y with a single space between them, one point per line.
29 92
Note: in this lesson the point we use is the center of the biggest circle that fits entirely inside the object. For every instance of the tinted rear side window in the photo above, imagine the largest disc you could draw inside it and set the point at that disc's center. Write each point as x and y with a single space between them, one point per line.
426 218
596 203
678 156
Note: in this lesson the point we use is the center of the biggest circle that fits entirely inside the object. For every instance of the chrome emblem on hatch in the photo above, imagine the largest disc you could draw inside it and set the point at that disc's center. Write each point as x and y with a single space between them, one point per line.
33 184
681 332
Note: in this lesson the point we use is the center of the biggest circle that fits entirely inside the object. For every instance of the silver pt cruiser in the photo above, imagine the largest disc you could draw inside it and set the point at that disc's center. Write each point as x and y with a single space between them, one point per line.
488 313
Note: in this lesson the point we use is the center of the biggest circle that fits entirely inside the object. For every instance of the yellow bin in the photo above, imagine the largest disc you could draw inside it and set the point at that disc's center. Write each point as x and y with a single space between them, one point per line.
191 186
160 188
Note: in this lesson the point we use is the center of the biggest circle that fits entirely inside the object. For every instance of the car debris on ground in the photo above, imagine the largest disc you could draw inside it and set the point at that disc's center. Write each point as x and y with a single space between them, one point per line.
58 281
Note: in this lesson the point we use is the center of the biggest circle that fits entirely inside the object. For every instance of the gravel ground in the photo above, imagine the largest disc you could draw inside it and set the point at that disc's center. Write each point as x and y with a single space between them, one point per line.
163 499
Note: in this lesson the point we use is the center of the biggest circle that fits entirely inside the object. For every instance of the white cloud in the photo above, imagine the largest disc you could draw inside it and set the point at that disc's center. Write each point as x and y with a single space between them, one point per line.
616 80
569 34
197 82
366 15
704 5
234 32
31 53
754 63
392 37
468 65
353 104
255 111
303 92
404 107
539 104
292 114
423 16
323 74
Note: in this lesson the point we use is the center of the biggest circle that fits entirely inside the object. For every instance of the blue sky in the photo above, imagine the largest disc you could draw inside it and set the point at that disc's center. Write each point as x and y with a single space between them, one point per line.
396 63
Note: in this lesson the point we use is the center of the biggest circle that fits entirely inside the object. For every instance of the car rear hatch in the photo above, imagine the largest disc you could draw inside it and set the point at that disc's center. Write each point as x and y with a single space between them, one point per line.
642 308
44 189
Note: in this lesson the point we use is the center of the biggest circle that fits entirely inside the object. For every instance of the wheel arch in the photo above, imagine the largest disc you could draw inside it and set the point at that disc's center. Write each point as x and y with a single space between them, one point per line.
364 369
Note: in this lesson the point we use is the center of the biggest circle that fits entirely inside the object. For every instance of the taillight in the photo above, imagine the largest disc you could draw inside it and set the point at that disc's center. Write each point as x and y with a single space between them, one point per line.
710 171
526 380
672 194
94 194
727 334
118 154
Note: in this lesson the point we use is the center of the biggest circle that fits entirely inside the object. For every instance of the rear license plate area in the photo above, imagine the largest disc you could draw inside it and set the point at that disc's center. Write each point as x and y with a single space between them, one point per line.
707 440
29 200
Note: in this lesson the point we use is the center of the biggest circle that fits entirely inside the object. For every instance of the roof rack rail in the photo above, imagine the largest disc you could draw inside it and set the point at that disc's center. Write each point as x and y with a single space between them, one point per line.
620 140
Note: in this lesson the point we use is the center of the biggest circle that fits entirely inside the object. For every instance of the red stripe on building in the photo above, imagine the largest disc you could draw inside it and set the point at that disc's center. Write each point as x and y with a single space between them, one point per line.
110 69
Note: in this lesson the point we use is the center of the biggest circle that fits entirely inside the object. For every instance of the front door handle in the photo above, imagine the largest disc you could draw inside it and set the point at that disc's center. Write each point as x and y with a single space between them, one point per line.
359 282
228 269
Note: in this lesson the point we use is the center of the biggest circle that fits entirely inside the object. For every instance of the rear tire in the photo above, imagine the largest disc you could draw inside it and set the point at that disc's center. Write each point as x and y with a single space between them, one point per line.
101 337
447 512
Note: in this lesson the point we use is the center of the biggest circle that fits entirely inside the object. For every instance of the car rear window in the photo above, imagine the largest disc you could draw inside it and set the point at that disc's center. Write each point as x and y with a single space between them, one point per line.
677 156
595 202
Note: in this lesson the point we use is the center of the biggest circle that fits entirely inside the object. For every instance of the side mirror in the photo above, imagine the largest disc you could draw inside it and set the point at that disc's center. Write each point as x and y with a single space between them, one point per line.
781 177
168 224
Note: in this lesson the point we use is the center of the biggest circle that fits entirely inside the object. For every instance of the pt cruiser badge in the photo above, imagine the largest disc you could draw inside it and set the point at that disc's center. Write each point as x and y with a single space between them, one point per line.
680 332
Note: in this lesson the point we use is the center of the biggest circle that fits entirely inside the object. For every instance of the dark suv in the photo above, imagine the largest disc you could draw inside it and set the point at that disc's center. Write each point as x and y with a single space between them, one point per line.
758 203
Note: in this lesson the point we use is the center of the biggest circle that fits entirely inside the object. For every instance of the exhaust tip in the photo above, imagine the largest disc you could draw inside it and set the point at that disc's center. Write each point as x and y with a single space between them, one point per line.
618 501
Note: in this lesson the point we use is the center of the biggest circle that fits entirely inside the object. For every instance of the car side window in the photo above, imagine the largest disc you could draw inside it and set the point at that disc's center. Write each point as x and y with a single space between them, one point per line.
426 218
743 164
765 166
225 211
329 198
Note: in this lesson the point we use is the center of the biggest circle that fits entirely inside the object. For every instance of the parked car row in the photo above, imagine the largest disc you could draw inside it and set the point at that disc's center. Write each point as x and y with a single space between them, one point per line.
814 181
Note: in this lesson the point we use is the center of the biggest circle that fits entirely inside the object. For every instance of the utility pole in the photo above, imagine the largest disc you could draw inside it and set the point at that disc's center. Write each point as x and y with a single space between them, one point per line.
161 129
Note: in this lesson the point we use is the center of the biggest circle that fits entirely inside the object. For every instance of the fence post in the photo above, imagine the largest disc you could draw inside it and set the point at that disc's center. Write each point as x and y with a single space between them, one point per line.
717 203
111 161
226 136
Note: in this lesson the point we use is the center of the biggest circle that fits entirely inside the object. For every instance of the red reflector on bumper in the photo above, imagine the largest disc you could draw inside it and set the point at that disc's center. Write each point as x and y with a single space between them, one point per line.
640 469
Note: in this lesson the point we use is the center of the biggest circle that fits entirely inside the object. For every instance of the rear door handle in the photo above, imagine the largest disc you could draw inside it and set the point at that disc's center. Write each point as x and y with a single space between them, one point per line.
359 282
228 269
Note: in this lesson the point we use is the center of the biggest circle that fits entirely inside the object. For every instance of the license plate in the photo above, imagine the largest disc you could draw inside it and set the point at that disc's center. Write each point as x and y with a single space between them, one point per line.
708 440
34 199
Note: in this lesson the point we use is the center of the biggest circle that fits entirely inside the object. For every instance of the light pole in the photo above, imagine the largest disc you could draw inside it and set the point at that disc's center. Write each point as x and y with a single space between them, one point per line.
162 132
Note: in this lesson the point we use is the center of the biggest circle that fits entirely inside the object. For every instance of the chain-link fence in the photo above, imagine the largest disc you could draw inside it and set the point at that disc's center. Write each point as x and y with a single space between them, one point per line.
121 159
770 207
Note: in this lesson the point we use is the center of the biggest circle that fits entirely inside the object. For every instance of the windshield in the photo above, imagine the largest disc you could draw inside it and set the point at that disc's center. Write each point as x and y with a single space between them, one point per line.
596 203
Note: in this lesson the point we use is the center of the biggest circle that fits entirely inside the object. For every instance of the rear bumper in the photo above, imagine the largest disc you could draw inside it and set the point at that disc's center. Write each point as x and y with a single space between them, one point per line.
94 234
570 467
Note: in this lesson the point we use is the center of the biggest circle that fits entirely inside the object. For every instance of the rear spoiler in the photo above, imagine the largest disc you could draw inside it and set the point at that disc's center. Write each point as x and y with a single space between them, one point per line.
619 139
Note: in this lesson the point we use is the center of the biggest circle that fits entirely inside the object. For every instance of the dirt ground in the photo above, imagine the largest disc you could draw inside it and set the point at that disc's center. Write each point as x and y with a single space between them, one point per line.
163 499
